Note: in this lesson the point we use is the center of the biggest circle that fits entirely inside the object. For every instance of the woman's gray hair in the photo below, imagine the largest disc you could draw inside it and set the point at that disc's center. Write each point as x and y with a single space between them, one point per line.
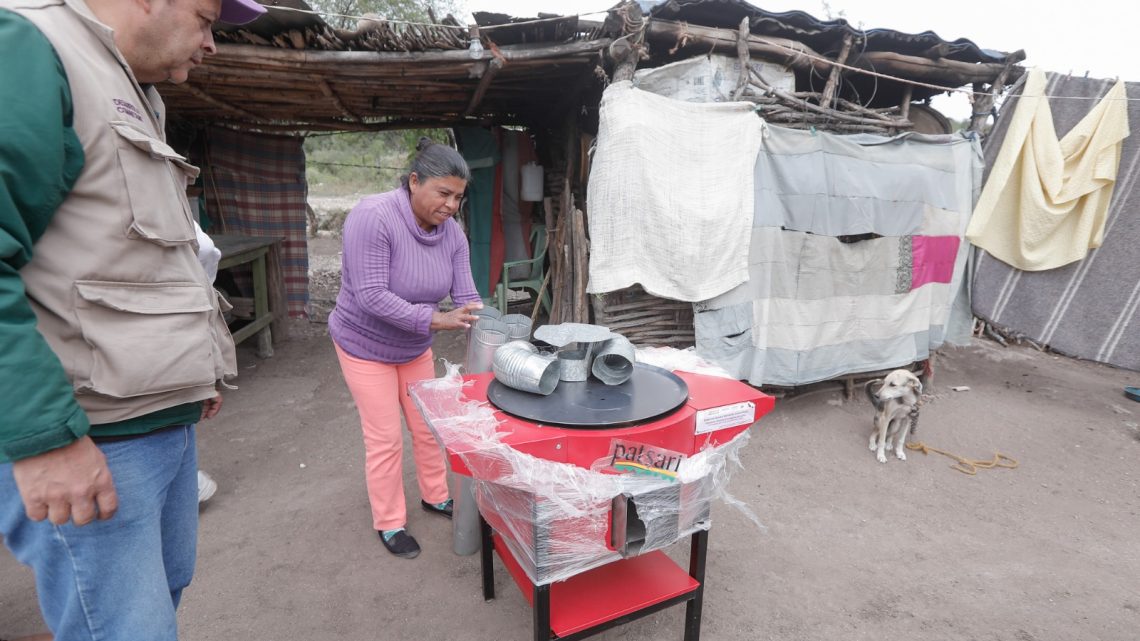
434 160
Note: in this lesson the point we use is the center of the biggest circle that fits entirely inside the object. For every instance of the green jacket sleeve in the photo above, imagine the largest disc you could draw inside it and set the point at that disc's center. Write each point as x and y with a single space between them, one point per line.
40 159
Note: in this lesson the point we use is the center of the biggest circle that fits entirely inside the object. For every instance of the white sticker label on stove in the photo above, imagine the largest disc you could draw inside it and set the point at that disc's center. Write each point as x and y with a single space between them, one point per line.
725 416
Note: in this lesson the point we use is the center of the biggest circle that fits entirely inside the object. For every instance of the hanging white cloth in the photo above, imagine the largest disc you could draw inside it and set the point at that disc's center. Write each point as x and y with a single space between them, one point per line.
670 199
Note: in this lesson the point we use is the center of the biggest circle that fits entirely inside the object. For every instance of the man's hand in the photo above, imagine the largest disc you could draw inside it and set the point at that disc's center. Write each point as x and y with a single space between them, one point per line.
211 407
458 318
69 483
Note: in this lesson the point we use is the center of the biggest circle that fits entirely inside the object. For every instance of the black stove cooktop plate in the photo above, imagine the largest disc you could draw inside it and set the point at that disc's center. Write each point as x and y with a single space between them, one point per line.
650 393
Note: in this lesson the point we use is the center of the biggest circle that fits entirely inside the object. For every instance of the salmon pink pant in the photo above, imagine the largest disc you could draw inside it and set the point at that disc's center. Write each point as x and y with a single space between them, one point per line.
380 391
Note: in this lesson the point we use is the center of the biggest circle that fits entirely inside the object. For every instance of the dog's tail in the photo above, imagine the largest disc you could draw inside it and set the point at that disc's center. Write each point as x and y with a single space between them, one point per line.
872 388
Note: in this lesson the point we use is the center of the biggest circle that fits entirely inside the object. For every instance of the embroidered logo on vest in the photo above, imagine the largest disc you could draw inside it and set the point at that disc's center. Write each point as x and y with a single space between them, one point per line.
126 108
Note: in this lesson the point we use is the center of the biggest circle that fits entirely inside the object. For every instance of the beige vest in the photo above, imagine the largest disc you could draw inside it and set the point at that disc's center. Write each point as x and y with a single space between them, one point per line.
115 280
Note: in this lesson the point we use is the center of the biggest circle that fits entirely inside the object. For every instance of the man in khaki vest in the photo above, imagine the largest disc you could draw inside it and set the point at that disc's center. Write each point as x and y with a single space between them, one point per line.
112 342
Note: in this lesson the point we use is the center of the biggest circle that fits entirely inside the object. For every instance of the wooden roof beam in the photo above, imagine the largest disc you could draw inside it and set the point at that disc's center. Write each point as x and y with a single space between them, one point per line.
328 91
792 53
303 125
801 57
954 73
255 54
484 83
205 97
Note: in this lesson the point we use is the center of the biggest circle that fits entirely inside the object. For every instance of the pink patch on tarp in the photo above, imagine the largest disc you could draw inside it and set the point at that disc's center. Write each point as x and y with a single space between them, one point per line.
933 259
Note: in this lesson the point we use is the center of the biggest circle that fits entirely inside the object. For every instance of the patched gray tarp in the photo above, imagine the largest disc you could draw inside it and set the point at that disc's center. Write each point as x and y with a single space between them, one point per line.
857 260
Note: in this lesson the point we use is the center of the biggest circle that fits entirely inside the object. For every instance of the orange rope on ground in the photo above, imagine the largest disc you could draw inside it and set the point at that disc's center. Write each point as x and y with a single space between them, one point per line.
965 465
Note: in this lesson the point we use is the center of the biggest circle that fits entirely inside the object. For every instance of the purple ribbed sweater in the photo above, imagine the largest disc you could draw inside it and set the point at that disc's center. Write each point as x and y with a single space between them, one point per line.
393 275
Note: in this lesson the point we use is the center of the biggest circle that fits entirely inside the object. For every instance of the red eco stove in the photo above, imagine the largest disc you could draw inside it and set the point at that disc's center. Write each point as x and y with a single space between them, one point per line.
591 562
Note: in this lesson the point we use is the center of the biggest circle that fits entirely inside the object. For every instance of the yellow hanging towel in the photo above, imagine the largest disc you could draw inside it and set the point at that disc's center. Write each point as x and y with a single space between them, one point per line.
1045 201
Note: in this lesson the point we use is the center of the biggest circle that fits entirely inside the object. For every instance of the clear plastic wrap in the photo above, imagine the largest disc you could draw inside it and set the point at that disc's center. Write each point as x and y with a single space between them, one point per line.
673 359
556 517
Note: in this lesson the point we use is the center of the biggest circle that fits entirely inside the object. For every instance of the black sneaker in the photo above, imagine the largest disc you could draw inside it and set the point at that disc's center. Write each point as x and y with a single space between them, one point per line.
401 544
446 510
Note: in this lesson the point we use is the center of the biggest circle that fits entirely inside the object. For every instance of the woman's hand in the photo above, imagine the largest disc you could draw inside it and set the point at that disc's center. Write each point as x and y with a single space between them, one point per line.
458 318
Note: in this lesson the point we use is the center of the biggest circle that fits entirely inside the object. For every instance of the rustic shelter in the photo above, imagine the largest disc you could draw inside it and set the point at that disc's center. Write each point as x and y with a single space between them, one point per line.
290 73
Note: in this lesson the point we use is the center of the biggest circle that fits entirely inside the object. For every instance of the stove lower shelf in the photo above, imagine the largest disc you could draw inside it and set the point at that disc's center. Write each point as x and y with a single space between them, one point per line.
606 596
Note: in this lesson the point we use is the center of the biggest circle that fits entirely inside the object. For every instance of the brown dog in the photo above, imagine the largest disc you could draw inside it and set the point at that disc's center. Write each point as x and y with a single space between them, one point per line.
895 398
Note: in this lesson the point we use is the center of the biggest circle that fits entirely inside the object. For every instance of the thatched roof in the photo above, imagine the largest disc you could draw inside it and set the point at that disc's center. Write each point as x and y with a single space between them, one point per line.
291 71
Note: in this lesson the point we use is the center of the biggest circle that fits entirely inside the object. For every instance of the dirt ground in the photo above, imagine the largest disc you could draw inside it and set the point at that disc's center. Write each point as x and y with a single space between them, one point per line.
852 549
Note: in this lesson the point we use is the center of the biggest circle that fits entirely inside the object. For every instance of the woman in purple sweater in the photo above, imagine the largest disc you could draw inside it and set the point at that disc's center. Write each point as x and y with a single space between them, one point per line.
402 255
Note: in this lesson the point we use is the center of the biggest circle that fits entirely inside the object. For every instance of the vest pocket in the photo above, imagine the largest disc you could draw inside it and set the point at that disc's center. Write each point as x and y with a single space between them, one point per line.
155 176
145 338
225 356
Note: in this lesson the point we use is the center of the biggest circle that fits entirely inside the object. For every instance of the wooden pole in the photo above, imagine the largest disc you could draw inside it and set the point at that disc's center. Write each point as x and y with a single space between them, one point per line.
557 269
782 50
551 247
626 51
743 57
484 83
805 106
581 267
560 258
538 298
952 73
252 54
983 105
904 104
831 89
205 97
801 57
565 223
567 264
327 89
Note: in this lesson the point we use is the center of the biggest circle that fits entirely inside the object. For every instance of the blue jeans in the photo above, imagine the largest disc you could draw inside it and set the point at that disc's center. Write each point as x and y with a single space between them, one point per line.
120 579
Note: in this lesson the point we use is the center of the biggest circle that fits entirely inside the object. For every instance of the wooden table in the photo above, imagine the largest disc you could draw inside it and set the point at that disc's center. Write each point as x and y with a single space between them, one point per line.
253 250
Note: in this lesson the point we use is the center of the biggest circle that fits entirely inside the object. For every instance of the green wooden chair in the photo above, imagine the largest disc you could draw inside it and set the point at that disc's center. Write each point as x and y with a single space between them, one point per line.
535 275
